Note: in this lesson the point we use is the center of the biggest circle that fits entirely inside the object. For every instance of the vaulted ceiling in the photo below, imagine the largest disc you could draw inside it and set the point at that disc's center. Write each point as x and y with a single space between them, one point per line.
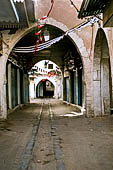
55 52
16 15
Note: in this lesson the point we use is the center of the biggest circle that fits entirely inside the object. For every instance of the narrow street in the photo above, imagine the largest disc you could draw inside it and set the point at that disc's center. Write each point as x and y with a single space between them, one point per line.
48 135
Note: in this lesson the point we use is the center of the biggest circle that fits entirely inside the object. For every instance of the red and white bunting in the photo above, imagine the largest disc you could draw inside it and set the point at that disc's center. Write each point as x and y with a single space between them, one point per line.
42 24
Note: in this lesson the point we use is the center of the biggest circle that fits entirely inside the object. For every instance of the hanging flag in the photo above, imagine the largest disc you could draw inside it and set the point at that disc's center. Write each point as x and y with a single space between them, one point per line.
44 45
43 18
32 49
43 23
38 32
41 39
40 26
36 46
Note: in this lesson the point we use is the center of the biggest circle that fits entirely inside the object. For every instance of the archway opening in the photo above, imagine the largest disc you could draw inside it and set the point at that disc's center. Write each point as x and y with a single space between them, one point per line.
45 89
64 53
45 80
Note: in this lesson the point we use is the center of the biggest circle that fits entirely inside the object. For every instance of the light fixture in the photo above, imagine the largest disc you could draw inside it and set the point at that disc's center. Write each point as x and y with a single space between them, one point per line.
46 35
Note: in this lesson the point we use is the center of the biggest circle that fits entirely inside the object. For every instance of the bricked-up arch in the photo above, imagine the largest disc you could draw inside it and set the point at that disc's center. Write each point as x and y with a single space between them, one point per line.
101 75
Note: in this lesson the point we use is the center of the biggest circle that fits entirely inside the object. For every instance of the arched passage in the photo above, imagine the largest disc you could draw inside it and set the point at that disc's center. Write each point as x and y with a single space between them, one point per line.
45 88
101 75
66 55
45 70
73 39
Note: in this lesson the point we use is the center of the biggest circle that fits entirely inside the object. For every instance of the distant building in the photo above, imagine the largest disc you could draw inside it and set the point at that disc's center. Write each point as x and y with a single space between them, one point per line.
45 80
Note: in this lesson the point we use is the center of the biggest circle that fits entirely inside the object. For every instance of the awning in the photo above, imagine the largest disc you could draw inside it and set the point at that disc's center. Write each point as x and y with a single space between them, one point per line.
91 7
16 15
8 12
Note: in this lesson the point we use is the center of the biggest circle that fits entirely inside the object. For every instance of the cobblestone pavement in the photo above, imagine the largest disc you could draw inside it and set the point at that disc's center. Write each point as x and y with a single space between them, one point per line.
63 141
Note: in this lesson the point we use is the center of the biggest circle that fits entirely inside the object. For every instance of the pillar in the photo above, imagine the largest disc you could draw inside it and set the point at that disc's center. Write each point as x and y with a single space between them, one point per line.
9 86
56 88
70 87
3 101
32 95
76 76
64 88
24 88
74 87
18 85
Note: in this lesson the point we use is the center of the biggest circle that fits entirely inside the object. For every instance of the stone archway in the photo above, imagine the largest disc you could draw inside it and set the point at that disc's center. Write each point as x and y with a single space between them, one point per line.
101 75
45 88
77 41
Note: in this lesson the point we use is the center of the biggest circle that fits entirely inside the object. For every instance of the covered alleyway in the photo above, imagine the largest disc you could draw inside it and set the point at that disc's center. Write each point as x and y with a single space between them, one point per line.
76 131
48 135
20 63
81 49
45 89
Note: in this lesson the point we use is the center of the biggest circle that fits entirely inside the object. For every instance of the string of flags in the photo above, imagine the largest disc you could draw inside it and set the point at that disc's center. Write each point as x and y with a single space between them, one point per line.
32 49
41 25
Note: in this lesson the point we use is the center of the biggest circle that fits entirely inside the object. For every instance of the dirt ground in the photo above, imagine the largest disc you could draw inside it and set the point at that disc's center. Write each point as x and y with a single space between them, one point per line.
63 141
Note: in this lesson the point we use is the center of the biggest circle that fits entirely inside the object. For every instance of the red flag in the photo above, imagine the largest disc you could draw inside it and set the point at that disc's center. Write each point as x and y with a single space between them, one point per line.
40 26
44 17
41 39
38 32
36 46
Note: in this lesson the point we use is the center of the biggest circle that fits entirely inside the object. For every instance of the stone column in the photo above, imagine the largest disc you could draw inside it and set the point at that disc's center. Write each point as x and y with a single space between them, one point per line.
61 87
3 82
56 88
64 88
3 101
76 76
18 85
24 87
70 88
97 92
3 114
9 86
62 82
32 89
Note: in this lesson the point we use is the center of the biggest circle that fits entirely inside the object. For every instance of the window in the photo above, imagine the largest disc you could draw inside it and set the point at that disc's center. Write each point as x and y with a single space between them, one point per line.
50 66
